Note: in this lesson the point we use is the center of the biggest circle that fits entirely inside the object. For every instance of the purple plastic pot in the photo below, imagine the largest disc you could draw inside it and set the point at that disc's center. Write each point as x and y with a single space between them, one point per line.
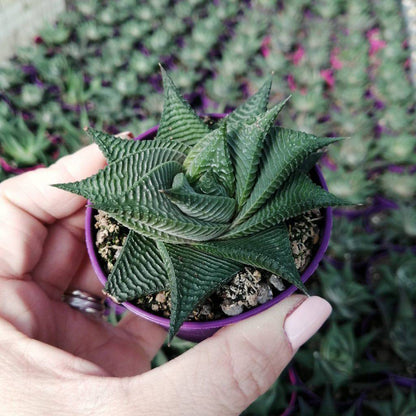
198 331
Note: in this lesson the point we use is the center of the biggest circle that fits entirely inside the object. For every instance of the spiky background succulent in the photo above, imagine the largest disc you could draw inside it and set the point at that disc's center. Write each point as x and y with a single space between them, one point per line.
202 203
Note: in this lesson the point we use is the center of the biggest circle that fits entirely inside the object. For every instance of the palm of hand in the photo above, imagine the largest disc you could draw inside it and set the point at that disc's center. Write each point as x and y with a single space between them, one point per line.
44 255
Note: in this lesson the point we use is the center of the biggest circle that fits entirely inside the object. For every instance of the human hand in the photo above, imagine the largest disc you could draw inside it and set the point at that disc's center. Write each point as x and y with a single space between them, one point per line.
56 360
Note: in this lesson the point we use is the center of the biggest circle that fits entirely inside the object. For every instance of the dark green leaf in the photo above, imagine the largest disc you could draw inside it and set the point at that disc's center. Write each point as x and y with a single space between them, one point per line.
246 143
114 148
210 208
284 152
299 195
120 176
194 276
139 270
269 250
253 107
179 121
209 184
144 205
211 154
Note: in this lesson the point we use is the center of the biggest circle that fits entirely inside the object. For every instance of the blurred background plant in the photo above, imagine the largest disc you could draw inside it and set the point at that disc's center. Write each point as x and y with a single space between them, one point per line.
347 66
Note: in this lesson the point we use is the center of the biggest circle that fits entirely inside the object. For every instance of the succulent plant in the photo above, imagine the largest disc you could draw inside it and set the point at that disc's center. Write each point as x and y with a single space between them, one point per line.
396 329
135 29
327 9
141 64
400 186
354 185
200 204
393 273
55 34
31 96
9 77
400 149
350 300
402 402
398 225
91 31
87 8
341 359
353 153
351 242
20 145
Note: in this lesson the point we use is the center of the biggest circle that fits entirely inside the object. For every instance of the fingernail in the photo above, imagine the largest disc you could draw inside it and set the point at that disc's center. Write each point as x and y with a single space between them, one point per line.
305 320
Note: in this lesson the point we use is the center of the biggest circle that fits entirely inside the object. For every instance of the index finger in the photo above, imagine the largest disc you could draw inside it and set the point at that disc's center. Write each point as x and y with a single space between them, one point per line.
32 191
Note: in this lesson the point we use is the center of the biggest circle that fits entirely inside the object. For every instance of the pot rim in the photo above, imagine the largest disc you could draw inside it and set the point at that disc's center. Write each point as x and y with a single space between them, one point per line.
214 324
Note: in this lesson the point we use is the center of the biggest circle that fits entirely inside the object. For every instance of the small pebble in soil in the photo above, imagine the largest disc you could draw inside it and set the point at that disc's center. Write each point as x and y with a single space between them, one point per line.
277 282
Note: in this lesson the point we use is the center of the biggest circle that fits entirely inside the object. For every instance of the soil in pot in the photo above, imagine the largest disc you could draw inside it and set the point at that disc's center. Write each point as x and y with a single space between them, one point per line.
249 288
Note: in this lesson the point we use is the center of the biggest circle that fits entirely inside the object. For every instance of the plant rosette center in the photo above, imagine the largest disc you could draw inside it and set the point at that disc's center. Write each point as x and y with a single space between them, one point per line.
203 204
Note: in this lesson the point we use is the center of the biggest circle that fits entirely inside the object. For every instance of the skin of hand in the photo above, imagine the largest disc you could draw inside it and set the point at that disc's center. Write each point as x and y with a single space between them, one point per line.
54 360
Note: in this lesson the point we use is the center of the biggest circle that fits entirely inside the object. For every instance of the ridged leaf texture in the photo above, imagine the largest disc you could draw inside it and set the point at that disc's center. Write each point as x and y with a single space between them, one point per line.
202 206
246 142
139 269
193 276
253 107
179 121
119 176
114 148
143 203
283 153
212 155
269 250
203 203
298 196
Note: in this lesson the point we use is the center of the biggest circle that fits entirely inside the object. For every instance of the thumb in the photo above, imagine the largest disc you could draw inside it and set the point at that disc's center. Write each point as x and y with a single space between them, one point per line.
225 373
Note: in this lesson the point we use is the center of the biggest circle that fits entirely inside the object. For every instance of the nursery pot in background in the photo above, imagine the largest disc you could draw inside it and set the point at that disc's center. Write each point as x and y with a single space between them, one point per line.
198 331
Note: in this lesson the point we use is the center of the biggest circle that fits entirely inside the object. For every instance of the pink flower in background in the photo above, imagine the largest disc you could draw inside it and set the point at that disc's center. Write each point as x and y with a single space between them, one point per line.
407 63
291 82
375 42
265 46
298 55
335 62
328 76
15 170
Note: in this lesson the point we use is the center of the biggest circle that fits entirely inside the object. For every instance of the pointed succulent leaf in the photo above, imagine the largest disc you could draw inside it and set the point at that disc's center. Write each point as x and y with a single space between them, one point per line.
179 121
193 276
269 250
310 162
253 107
211 154
298 196
114 148
284 152
246 143
146 230
205 207
209 184
144 204
138 271
119 176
